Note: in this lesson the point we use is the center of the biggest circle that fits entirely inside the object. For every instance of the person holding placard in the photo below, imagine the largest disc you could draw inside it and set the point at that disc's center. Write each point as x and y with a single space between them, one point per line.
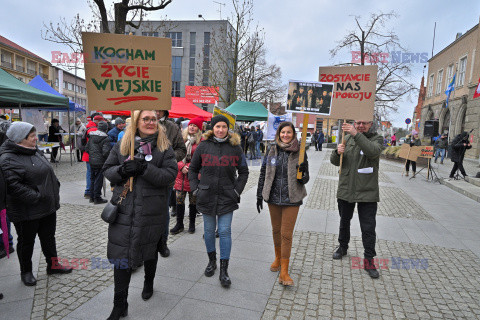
133 237
413 141
214 181
358 185
279 187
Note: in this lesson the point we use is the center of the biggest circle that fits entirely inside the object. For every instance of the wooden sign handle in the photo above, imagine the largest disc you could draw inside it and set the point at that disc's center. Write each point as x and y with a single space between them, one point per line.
132 145
301 156
341 156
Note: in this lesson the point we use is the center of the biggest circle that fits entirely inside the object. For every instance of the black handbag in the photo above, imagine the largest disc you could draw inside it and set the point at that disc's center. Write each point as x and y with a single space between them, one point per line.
110 212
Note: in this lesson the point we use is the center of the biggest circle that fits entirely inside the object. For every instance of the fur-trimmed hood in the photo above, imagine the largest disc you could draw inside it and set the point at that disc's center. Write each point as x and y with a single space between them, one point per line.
233 138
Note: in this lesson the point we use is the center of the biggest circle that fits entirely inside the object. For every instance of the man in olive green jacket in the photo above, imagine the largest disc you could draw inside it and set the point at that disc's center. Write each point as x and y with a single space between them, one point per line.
358 184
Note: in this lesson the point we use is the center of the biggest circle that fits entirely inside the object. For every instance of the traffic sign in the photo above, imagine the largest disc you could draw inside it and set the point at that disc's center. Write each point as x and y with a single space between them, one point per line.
408 121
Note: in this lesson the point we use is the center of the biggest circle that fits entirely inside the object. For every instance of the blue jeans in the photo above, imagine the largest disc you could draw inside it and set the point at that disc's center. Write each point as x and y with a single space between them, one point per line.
224 230
257 148
89 184
96 183
441 152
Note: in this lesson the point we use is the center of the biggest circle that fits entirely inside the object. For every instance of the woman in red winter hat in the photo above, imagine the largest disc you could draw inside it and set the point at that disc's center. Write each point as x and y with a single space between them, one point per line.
192 135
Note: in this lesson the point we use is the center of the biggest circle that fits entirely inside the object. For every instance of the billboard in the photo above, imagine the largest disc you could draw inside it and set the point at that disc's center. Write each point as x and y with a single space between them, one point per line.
199 94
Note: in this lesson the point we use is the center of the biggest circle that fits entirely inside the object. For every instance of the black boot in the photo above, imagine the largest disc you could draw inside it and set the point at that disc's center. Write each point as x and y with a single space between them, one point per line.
224 278
192 214
180 215
28 279
162 247
120 306
147 291
369 266
339 253
212 264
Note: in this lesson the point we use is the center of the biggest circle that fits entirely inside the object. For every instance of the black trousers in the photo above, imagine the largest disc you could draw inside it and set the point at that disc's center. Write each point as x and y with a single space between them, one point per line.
367 212
79 155
457 165
319 146
96 183
54 153
121 277
27 231
414 166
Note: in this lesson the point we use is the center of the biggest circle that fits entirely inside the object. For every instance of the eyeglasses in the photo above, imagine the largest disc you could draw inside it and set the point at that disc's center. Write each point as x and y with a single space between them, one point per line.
361 123
149 120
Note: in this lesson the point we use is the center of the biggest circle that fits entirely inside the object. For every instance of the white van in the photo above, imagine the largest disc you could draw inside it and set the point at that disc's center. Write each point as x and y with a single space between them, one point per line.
309 137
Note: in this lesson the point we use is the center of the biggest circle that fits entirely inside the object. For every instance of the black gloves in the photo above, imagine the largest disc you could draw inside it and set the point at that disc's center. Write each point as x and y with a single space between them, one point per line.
259 204
132 168
302 167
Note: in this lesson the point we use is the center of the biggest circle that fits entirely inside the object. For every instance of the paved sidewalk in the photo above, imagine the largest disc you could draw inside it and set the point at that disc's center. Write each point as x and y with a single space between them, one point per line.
416 220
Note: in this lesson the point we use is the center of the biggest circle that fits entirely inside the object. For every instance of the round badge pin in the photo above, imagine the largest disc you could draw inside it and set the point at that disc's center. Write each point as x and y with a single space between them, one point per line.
273 161
148 157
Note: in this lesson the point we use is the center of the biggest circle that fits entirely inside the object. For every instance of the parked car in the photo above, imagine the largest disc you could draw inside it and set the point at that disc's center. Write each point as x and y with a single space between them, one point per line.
401 141
309 137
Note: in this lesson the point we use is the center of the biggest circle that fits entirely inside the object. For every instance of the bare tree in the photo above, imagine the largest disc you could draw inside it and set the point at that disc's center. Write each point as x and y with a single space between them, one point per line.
375 42
123 13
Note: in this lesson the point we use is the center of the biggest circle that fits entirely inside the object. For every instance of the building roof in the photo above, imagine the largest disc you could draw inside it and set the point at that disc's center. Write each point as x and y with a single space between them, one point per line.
17 47
454 42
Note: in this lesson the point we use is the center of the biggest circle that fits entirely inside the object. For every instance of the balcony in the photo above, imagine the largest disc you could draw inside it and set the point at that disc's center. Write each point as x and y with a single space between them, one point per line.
20 68
32 72
44 76
7 64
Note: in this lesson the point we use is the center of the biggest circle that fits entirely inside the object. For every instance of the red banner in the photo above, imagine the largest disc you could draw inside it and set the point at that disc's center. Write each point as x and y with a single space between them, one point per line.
198 94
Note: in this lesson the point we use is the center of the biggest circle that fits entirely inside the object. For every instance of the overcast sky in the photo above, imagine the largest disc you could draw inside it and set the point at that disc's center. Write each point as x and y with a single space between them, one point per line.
299 34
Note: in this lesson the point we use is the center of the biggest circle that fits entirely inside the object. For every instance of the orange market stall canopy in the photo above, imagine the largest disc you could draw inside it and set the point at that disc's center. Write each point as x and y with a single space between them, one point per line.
181 107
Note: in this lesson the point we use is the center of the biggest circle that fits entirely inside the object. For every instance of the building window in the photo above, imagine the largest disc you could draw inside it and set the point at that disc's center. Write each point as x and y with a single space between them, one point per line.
176 75
6 58
430 86
70 86
65 84
56 82
150 34
462 67
439 82
176 38
19 65
449 76
191 67
206 58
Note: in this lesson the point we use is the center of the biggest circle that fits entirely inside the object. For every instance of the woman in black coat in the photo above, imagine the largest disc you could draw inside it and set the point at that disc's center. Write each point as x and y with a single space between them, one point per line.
459 145
32 198
218 159
54 137
133 237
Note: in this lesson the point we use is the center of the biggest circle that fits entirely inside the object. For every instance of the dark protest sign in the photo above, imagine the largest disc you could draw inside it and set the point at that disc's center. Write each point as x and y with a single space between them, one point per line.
126 72
309 97
354 91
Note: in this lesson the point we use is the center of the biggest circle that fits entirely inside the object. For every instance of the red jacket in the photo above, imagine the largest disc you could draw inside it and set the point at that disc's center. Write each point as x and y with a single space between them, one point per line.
91 126
181 182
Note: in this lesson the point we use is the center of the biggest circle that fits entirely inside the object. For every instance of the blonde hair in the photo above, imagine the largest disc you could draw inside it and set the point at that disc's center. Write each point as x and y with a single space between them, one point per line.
162 141
198 135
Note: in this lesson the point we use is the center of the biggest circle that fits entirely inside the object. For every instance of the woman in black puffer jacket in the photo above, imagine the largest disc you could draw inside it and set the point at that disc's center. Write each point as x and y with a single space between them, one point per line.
460 144
218 159
133 237
32 198
279 187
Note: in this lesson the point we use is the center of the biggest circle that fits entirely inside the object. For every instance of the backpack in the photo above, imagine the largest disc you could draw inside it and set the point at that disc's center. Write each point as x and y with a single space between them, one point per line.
251 138
83 141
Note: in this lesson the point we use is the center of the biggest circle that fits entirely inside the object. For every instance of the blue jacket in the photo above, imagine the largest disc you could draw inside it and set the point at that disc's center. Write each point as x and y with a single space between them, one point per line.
113 134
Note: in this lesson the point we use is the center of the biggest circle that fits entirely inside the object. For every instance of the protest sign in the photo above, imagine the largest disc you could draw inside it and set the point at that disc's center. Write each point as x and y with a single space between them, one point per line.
410 153
201 94
230 116
354 90
309 97
127 72
273 123
426 152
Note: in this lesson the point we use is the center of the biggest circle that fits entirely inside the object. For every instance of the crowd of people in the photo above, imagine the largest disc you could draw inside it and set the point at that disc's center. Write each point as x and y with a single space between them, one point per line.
208 162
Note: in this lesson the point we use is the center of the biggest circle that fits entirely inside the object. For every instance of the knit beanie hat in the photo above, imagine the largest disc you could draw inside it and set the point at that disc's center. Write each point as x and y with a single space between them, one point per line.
102 126
219 118
119 121
198 121
18 131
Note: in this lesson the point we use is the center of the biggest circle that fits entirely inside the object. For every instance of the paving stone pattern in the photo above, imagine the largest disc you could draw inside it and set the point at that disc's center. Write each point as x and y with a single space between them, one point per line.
332 289
394 202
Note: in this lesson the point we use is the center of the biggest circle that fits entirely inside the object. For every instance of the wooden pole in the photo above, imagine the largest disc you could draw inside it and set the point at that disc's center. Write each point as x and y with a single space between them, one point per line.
341 156
132 145
301 156
428 169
